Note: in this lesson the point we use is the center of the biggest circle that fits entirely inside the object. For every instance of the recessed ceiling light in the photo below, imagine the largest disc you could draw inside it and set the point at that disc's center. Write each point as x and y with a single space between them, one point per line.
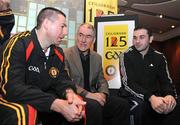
160 31
172 26
160 16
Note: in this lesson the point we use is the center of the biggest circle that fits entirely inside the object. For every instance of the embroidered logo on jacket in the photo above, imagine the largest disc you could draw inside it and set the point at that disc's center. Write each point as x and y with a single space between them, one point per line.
53 72
34 68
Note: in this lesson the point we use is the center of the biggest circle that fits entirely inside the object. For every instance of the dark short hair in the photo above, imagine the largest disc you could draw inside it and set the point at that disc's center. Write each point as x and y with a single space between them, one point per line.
149 31
47 12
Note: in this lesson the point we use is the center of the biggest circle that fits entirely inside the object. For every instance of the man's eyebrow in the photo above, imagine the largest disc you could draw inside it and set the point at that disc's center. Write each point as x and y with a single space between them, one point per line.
142 35
65 24
81 33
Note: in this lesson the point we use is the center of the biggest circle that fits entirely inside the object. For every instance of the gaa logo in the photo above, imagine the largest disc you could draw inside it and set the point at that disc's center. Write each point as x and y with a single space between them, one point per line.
34 68
111 70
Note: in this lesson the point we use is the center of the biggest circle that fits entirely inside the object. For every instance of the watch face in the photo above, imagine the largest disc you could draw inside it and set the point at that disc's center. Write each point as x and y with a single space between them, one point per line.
110 70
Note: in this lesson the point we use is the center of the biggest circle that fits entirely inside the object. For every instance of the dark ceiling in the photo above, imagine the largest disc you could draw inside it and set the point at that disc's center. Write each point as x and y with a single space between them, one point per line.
149 12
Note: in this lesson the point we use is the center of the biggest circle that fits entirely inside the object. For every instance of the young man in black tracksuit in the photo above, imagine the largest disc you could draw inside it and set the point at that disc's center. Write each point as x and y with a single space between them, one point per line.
147 83
33 78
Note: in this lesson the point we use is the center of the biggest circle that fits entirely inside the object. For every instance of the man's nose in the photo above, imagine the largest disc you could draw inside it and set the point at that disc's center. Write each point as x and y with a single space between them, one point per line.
84 38
137 40
65 31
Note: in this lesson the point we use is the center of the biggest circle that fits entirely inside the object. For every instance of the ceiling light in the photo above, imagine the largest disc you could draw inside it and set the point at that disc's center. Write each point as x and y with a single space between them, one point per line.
160 16
172 26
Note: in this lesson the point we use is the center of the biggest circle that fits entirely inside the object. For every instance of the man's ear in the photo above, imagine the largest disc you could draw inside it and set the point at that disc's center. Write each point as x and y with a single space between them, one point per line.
45 24
151 39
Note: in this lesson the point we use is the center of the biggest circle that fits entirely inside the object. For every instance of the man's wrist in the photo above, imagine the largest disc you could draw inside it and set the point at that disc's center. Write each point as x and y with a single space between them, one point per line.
66 91
84 93
54 105
69 90
151 97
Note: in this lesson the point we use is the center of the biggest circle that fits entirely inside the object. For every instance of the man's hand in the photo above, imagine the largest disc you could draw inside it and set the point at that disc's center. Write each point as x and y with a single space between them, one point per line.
75 99
69 111
100 97
72 108
157 104
163 105
170 103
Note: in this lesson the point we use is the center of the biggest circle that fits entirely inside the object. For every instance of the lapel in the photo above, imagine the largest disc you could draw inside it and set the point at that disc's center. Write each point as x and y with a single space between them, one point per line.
77 61
92 66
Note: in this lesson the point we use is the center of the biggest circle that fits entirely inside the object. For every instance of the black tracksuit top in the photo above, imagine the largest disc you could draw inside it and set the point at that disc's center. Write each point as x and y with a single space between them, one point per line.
37 81
143 77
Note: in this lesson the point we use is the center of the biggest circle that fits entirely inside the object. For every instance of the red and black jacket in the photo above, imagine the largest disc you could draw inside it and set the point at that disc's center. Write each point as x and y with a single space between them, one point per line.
28 77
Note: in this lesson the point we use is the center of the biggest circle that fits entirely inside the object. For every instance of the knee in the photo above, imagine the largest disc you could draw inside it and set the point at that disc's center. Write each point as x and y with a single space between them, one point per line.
118 105
94 105
123 103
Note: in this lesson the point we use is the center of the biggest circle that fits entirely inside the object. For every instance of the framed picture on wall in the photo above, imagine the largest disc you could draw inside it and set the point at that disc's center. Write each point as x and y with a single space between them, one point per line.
97 8
114 36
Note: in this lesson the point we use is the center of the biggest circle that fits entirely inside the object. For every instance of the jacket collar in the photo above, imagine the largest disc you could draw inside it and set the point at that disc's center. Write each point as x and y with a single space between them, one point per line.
38 47
150 50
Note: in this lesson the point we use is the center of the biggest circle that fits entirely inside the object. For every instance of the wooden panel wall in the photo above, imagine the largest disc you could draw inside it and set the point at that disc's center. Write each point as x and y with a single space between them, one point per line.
171 49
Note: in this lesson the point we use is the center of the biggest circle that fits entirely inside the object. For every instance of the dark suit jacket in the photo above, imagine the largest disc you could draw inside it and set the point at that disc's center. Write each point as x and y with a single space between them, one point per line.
74 67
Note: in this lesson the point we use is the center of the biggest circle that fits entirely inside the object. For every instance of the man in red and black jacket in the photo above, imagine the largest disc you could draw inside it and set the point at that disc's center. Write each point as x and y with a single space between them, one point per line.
33 77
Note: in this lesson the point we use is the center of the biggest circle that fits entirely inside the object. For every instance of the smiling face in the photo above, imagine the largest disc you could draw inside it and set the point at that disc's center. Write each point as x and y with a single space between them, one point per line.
85 37
142 40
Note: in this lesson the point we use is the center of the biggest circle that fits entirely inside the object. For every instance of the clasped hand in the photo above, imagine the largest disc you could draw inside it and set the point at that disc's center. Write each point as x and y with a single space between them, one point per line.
163 105
73 109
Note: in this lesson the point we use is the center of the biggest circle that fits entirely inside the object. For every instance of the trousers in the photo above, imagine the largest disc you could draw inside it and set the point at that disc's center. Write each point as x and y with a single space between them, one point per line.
16 114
